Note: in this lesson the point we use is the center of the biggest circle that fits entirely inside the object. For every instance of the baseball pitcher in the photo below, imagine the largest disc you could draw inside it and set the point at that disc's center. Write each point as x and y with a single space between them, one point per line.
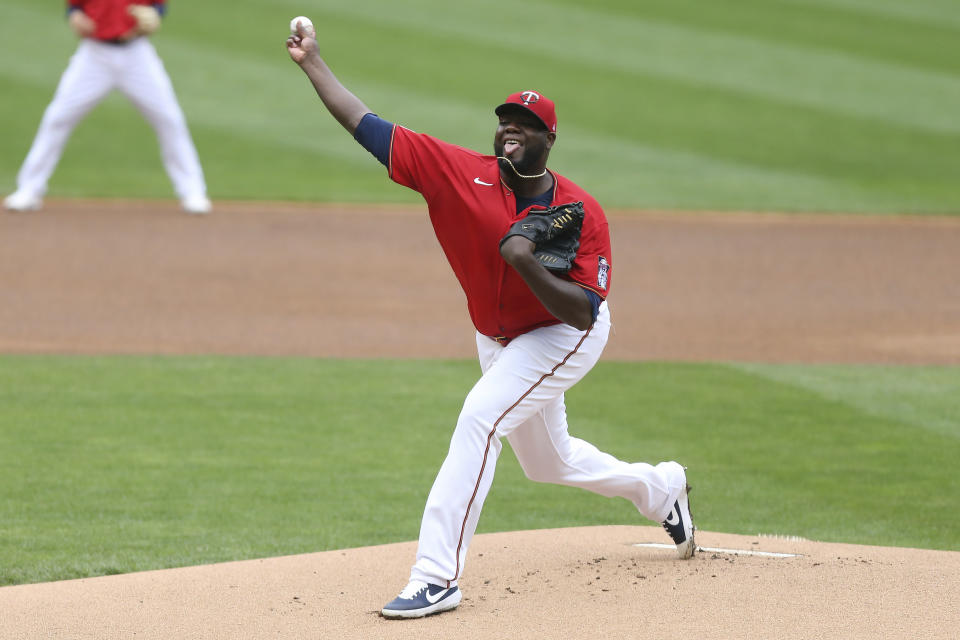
531 250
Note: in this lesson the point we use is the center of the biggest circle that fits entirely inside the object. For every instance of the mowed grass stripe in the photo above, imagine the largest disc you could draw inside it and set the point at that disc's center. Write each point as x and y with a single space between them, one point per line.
115 464
927 398
937 13
257 94
861 28
645 120
803 75
673 174
112 463
783 458
20 57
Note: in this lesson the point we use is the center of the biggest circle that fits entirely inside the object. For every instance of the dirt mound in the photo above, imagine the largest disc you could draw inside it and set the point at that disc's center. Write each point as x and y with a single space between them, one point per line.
590 582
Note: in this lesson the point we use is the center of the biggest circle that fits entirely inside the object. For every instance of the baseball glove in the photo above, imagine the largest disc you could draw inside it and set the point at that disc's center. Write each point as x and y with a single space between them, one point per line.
555 232
147 17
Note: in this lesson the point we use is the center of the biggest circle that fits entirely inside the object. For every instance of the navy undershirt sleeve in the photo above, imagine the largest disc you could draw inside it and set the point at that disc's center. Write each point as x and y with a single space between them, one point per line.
374 133
595 301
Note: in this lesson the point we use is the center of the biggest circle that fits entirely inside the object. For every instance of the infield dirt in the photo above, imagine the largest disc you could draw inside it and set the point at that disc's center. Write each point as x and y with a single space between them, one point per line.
285 279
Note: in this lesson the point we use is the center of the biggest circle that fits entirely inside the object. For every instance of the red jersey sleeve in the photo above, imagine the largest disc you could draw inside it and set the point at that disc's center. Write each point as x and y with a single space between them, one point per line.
592 266
594 262
427 164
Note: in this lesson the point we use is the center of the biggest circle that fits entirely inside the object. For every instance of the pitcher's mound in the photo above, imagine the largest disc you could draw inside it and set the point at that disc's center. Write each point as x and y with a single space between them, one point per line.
589 582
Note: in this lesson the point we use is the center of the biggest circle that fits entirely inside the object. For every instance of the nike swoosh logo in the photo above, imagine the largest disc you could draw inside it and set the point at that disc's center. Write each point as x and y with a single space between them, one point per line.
479 181
674 518
433 599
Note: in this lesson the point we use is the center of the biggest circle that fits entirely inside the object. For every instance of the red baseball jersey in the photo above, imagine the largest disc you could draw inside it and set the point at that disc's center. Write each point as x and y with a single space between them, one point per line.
471 210
111 16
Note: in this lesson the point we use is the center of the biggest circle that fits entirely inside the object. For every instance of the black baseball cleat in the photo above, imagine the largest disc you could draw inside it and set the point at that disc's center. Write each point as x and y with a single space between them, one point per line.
679 524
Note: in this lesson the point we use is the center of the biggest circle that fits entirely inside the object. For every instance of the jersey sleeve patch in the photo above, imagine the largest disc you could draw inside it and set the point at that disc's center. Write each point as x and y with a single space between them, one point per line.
603 271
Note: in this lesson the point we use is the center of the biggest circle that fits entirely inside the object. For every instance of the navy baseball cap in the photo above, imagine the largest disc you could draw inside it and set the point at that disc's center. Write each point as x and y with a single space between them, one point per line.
534 102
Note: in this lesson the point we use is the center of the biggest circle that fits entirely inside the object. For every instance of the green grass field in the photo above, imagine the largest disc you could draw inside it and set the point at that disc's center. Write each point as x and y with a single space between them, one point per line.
118 464
791 105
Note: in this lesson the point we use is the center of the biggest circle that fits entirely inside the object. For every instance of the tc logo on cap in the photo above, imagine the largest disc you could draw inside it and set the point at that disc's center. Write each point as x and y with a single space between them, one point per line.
530 97
535 102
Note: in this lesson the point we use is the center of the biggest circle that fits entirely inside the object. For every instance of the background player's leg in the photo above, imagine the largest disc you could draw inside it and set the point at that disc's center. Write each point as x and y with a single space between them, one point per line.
84 83
148 86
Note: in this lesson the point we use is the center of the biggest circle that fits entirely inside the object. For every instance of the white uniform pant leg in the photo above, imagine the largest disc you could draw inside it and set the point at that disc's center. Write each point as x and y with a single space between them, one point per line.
548 453
145 81
519 380
86 81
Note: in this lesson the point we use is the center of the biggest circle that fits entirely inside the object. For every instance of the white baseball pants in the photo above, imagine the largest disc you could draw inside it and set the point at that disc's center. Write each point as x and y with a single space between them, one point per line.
95 69
520 397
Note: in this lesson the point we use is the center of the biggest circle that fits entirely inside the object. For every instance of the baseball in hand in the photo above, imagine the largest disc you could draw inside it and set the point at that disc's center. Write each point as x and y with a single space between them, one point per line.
303 20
